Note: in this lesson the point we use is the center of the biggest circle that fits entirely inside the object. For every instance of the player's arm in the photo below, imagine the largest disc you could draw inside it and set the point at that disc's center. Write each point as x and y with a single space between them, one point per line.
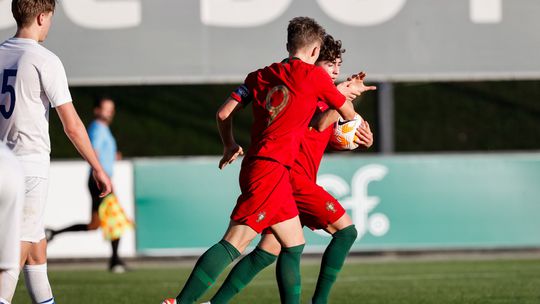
327 91
321 121
351 89
224 118
75 131
239 98
346 110
356 83
354 86
329 117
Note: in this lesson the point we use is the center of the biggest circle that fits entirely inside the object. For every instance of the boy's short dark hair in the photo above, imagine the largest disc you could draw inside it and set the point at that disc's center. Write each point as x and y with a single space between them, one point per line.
303 31
24 11
331 49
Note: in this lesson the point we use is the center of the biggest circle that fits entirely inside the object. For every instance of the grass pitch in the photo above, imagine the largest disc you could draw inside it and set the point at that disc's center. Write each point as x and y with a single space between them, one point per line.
367 282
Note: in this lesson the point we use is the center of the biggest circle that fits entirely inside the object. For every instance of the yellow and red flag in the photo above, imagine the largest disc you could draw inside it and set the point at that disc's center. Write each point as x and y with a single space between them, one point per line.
113 218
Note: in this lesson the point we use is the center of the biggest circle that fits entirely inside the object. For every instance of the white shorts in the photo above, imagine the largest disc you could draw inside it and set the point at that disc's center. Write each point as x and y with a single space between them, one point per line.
11 205
35 198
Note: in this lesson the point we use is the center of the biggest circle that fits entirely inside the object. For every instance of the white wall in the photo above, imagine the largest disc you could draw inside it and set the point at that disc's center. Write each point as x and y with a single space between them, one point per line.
69 203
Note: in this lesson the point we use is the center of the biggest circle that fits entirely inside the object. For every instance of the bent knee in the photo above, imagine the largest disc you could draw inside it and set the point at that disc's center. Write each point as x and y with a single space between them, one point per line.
93 226
270 245
349 233
275 250
94 222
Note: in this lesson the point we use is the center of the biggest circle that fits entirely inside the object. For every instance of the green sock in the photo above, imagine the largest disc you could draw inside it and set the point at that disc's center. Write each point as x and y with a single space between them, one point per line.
332 262
242 273
288 274
208 268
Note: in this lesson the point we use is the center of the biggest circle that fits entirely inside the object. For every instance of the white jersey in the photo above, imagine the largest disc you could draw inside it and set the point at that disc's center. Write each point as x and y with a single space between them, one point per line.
32 81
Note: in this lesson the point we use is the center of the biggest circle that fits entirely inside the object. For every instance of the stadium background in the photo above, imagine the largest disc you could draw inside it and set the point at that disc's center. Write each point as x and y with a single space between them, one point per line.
169 66
455 165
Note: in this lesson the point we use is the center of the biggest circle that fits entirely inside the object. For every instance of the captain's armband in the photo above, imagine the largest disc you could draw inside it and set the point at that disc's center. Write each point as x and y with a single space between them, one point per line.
242 95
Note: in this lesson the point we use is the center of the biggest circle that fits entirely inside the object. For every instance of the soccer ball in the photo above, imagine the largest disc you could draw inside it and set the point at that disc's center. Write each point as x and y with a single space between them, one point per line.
345 133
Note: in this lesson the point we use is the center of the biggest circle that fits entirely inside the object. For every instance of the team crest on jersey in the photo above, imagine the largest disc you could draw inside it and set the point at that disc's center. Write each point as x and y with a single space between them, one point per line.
330 207
261 216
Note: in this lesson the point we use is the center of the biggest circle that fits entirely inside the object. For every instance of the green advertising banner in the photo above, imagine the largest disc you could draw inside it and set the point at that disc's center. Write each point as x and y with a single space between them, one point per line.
397 203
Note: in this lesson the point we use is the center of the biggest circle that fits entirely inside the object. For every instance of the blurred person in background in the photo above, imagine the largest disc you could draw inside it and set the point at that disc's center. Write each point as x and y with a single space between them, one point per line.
104 145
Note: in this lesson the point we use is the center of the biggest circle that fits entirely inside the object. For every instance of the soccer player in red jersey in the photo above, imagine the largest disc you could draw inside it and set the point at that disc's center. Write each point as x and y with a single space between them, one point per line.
318 209
284 98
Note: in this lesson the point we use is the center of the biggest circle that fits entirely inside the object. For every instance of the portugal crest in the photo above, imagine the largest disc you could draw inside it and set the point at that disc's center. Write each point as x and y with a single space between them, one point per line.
330 207
261 216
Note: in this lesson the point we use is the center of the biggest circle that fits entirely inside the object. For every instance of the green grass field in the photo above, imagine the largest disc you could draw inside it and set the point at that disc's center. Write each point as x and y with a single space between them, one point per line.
375 282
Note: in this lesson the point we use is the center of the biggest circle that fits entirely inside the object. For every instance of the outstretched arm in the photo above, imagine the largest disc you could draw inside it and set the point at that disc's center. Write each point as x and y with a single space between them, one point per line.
224 116
75 131
352 88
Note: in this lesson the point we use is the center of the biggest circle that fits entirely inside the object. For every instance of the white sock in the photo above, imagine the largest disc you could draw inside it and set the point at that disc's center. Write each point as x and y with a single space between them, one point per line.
8 284
4 301
37 283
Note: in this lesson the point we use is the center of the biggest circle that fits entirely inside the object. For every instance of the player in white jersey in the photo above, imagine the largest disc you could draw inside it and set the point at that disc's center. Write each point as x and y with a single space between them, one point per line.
11 203
32 81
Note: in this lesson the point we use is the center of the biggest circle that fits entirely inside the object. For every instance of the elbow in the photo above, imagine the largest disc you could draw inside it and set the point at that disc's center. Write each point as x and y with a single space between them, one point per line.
73 130
222 116
320 127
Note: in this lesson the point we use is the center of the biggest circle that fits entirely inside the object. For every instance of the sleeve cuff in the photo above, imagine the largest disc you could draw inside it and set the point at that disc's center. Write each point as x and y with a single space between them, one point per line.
236 97
57 104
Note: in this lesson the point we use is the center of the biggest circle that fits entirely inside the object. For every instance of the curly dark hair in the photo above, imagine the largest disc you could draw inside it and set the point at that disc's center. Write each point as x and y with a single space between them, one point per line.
303 31
331 49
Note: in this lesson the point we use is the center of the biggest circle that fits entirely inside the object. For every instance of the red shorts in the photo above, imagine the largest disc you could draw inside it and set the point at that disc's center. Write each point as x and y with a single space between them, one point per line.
266 197
317 208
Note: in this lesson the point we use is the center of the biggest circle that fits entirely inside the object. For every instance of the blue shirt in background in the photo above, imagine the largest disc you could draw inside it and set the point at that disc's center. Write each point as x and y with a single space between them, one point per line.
104 144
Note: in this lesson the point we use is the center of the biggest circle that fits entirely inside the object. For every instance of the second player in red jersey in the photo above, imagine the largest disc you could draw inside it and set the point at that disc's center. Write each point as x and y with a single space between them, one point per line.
312 147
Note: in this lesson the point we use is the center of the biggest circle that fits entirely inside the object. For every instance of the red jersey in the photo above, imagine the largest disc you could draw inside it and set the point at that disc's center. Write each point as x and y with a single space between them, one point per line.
312 149
284 97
